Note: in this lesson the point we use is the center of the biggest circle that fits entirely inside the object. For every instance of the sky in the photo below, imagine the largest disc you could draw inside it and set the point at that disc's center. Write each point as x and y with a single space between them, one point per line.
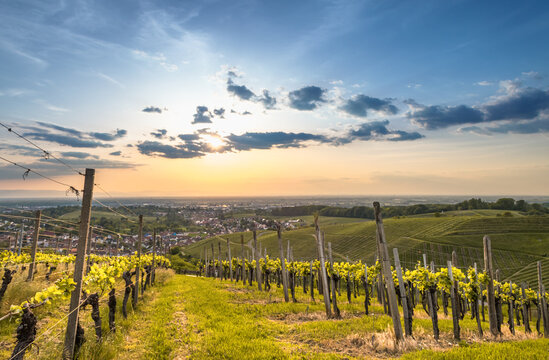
251 98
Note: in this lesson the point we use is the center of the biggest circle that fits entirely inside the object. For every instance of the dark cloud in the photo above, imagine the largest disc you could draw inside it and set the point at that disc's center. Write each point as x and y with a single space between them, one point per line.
220 112
120 133
159 133
155 148
116 153
267 100
71 137
537 126
78 155
376 130
189 137
21 150
438 116
202 116
521 105
307 98
240 91
267 140
360 104
152 109
67 140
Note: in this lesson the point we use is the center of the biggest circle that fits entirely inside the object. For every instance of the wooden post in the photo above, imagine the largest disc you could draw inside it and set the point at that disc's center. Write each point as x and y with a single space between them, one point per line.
323 274
366 295
70 335
137 267
511 309
387 273
454 299
257 266
283 263
242 277
32 265
20 239
525 315
403 297
492 317
213 261
154 257
230 260
337 314
543 303
219 263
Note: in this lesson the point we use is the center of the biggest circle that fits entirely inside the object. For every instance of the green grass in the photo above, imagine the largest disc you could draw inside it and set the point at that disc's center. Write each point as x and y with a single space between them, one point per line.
520 350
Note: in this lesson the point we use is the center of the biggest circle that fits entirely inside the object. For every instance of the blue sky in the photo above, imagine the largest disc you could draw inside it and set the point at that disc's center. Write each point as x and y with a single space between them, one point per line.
432 96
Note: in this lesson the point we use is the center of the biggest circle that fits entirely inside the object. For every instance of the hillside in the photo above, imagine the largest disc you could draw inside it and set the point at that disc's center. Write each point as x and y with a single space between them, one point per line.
517 241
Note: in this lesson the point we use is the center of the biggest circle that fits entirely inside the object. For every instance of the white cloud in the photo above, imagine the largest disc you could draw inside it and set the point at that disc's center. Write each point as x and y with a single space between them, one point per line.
484 83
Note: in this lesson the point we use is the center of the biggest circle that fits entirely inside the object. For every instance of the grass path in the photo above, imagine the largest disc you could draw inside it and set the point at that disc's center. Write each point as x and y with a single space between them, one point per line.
202 318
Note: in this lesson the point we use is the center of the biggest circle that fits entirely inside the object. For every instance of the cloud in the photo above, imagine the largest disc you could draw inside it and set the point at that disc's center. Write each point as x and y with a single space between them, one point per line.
120 133
376 130
78 155
484 83
152 109
268 101
202 116
520 104
71 137
439 116
307 98
267 140
155 148
246 113
116 153
66 140
160 133
533 75
159 58
240 91
220 113
359 105
537 126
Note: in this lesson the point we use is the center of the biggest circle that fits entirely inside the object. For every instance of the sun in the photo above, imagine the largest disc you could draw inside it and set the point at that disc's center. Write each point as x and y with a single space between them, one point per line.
215 142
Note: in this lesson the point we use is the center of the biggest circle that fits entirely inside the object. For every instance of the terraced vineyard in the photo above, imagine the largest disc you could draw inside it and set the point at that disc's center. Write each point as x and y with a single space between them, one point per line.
518 241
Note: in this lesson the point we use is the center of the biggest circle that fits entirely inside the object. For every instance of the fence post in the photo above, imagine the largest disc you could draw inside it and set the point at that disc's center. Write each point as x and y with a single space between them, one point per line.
492 316
323 276
154 257
70 335
543 302
387 273
454 299
403 297
34 245
137 267
257 266
283 263
337 314
525 315
230 260
511 309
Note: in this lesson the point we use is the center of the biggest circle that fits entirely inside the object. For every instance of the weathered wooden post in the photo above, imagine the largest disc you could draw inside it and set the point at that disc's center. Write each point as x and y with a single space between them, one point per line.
403 296
230 260
32 265
366 295
543 303
242 277
525 315
257 265
312 283
387 273
137 267
336 313
511 308
154 257
282 263
492 316
70 335
323 276
454 299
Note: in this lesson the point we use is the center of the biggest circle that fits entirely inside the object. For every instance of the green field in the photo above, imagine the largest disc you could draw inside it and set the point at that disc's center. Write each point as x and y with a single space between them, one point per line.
518 242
